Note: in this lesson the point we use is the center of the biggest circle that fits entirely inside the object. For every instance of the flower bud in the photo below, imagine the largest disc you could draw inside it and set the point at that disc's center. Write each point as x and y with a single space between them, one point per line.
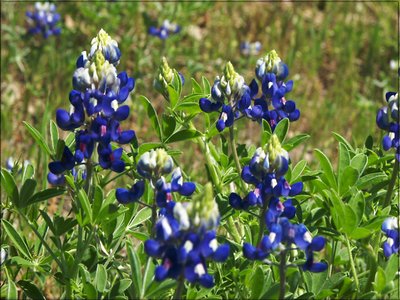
105 45
164 77
203 210
394 103
232 82
278 157
271 63
155 163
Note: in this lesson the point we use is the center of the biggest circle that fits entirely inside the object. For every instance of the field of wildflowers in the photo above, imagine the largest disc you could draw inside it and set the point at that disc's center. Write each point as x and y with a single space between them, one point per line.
192 150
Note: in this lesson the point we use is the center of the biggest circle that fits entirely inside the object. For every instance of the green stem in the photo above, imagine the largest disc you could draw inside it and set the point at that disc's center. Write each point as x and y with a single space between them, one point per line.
282 275
68 290
232 143
179 288
392 183
233 230
262 221
352 265
89 173
210 164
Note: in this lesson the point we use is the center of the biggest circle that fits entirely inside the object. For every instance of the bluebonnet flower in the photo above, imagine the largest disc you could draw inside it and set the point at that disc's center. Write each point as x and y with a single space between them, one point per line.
186 240
164 190
97 106
240 100
43 20
165 30
78 172
229 95
266 172
388 119
391 228
126 196
247 48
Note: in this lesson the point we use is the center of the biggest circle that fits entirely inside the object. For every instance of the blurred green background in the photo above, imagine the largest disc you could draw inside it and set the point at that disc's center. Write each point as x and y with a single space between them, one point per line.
339 56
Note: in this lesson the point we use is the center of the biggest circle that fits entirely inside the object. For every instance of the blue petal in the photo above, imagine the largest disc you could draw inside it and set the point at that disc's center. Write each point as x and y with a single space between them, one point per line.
207 281
63 119
187 188
123 196
318 243
235 201
122 113
296 188
220 125
249 251
222 252
152 248
126 136
160 273
56 167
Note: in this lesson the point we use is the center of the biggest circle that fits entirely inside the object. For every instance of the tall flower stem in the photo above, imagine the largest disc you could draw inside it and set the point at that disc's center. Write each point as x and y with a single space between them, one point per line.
392 183
352 265
179 288
262 221
282 275
373 265
89 174
232 143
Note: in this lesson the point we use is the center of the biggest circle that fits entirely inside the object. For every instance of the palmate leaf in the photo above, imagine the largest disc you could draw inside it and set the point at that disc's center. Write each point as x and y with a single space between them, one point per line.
17 239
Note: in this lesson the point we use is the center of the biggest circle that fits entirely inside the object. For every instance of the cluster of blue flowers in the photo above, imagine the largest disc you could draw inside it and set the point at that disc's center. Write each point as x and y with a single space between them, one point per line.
247 48
388 119
165 30
266 172
152 166
43 20
185 235
391 228
234 99
97 107
186 239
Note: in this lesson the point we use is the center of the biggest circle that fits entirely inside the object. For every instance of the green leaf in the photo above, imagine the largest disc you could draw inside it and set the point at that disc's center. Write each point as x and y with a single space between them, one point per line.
86 206
9 185
282 129
136 267
16 238
342 140
183 135
140 217
54 135
152 115
100 279
347 179
28 172
173 96
298 170
257 286
327 168
360 233
97 201
380 280
48 221
392 266
38 138
45 195
30 289
344 160
89 290
371 179
196 88
168 125
349 221
190 108
27 190
148 146
357 202
206 86
359 162
120 287
266 133
295 141
11 290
